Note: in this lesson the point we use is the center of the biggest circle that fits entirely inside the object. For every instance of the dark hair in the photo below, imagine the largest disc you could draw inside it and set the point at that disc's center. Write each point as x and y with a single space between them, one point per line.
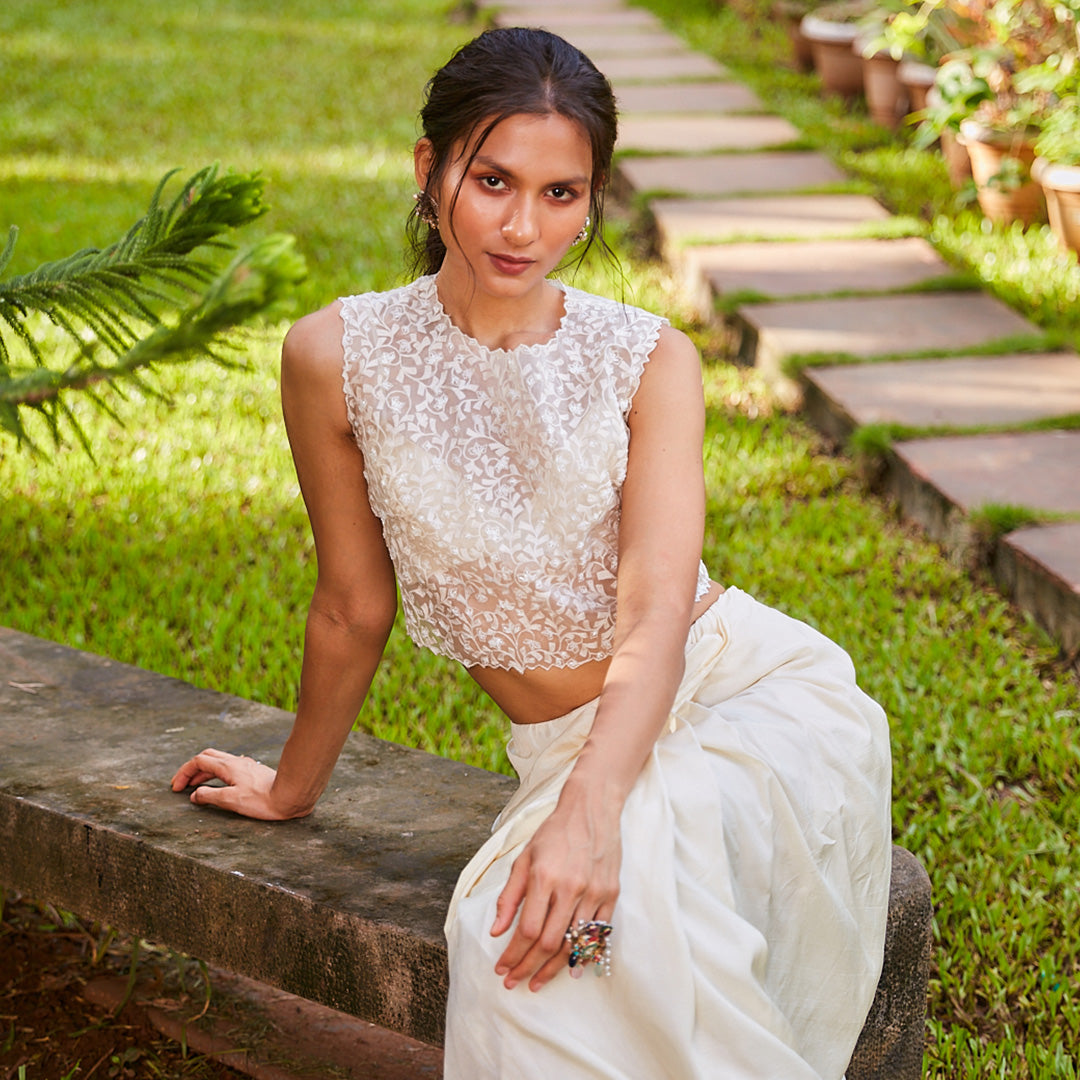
503 73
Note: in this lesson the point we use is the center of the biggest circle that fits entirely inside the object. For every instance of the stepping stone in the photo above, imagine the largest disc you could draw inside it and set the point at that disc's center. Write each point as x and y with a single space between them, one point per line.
664 134
562 6
874 326
729 174
1040 569
662 68
814 267
939 482
962 392
565 21
680 222
602 44
708 97
1037 469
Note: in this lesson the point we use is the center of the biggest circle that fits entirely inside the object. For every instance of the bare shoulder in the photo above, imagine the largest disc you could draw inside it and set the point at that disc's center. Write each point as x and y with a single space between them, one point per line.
672 374
312 347
674 347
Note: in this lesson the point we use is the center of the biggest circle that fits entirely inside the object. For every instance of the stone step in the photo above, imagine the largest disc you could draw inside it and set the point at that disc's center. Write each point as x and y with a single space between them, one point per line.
873 326
684 98
569 20
811 267
701 133
940 482
518 8
958 392
598 45
1040 569
662 68
684 222
720 175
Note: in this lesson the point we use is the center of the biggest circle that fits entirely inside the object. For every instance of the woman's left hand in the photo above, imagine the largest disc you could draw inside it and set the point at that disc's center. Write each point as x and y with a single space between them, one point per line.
569 871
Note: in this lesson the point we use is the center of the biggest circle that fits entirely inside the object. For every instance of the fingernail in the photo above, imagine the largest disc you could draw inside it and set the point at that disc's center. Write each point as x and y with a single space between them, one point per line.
501 969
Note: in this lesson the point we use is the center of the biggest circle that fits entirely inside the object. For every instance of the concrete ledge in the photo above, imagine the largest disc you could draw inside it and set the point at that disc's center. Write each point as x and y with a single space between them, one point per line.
891 1044
344 907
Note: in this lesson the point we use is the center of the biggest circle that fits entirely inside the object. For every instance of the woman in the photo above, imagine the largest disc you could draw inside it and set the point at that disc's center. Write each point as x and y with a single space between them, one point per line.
699 773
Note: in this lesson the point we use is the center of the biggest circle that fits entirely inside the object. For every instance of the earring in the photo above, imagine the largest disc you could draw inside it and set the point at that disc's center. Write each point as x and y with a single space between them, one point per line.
427 210
584 234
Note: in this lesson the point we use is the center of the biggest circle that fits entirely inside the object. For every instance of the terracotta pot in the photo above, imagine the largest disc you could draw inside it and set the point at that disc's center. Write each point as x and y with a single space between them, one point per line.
917 78
1061 186
886 97
792 15
957 159
988 151
837 65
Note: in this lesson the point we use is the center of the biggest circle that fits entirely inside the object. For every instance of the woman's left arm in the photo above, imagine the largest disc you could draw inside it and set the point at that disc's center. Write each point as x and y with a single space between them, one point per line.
570 868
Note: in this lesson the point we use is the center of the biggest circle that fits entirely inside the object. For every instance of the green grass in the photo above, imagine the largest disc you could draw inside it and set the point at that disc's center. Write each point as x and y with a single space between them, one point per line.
185 548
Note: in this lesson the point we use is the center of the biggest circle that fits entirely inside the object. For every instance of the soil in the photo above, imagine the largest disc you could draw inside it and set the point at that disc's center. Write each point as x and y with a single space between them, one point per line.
50 1030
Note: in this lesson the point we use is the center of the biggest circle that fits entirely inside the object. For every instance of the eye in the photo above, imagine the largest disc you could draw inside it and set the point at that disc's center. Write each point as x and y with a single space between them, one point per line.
491 183
563 194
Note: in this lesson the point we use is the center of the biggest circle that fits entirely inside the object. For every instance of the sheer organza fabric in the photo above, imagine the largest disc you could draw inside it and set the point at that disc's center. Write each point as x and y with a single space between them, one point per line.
749 932
497 474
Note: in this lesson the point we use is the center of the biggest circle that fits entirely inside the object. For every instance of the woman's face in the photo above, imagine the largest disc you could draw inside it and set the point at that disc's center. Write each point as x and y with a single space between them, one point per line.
522 201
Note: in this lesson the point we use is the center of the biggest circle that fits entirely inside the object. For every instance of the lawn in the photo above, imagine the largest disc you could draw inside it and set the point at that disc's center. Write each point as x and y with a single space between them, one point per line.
184 546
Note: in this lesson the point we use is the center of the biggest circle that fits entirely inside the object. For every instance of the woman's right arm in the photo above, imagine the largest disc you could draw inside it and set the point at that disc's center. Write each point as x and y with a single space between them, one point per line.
355 599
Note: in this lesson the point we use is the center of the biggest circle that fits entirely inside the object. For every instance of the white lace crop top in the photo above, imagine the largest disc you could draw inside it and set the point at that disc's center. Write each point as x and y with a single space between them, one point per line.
496 474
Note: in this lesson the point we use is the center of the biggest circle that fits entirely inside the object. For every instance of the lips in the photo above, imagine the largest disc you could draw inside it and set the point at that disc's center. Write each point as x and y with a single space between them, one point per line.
509 264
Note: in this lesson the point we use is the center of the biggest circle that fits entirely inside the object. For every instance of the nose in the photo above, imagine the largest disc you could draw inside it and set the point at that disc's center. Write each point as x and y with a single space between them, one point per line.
522 226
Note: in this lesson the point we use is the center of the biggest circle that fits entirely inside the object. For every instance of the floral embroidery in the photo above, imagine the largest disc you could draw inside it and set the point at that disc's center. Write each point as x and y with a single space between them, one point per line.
496 473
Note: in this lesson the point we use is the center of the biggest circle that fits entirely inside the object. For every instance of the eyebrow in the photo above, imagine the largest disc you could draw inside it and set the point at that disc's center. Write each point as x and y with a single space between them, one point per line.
491 163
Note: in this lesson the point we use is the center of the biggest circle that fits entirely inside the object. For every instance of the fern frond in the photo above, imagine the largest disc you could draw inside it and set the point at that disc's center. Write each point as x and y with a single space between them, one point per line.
152 297
150 266
257 279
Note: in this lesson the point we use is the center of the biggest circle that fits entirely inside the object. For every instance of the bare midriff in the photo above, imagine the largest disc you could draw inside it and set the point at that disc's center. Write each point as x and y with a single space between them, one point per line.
540 694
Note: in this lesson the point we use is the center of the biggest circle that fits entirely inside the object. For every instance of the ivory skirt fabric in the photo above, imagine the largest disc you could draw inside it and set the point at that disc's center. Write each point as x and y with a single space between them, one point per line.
750 925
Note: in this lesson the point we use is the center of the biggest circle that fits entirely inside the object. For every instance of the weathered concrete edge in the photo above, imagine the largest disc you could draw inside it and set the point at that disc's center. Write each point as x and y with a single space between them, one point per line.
1039 590
1027 582
376 971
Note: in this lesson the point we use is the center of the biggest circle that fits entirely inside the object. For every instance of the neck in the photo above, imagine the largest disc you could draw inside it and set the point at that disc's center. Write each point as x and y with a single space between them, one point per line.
500 322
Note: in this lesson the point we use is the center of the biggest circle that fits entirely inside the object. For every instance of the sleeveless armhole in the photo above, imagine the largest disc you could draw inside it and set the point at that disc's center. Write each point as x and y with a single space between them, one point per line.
641 332
351 332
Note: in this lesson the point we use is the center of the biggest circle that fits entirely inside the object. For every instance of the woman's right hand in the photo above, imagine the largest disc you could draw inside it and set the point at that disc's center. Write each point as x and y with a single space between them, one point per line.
248 790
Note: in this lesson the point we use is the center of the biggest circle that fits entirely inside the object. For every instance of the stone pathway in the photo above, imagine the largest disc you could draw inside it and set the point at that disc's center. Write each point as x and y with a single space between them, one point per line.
741 211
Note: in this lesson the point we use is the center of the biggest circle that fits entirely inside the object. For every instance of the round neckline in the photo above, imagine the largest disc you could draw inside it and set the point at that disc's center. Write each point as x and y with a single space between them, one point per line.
455 330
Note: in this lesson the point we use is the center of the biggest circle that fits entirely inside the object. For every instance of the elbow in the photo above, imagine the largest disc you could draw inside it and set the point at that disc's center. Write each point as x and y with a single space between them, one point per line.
366 616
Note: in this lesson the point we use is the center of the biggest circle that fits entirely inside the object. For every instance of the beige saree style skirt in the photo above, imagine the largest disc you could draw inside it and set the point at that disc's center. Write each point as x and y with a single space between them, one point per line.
754 887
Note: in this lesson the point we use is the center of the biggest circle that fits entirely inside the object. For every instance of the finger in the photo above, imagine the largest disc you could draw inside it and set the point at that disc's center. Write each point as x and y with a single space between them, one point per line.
197 770
212 796
510 898
536 942
552 968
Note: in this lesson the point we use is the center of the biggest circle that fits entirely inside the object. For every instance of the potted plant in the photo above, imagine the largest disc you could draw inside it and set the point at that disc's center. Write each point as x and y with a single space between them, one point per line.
1056 169
915 35
831 30
886 97
791 14
999 137
955 95
1022 51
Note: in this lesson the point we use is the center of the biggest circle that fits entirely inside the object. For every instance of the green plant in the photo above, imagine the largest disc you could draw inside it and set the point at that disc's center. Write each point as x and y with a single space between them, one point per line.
155 296
1020 59
845 11
1059 140
919 29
